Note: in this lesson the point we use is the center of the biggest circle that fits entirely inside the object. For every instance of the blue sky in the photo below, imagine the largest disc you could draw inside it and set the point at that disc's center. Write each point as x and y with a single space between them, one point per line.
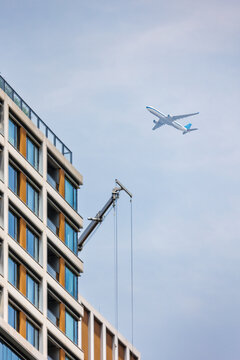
89 69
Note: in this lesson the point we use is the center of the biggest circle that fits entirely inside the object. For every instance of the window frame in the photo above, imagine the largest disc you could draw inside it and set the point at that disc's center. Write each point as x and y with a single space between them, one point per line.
16 178
75 281
16 275
75 241
36 196
36 148
36 332
74 200
36 289
16 225
15 142
75 327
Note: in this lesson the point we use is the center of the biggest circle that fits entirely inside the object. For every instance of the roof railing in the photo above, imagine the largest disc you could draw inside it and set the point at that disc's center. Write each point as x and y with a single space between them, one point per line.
36 119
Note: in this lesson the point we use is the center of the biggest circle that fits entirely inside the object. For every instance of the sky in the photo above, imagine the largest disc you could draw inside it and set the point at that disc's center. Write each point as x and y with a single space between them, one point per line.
89 69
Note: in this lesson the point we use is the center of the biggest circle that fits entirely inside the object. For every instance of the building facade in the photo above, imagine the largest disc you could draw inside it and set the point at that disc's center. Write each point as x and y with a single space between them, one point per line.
42 316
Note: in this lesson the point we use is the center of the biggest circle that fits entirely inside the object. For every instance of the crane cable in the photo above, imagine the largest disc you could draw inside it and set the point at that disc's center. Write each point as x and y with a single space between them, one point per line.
116 262
132 299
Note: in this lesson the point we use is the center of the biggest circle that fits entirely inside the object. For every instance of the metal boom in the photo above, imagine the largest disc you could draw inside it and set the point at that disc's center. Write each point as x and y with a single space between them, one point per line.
100 215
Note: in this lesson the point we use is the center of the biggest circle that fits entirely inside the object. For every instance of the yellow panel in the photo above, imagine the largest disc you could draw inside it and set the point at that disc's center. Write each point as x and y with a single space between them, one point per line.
22 187
121 351
62 227
62 317
61 183
85 321
97 340
22 279
62 272
109 343
22 233
22 324
133 357
23 141
61 354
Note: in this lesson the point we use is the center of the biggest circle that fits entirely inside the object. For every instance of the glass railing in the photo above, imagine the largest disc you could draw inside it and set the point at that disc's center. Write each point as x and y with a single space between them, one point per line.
36 119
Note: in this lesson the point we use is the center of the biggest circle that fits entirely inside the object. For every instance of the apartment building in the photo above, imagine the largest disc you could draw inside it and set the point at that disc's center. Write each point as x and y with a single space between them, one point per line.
42 315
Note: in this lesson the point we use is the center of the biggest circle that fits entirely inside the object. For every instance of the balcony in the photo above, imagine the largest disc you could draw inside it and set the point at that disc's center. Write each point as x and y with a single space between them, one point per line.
36 119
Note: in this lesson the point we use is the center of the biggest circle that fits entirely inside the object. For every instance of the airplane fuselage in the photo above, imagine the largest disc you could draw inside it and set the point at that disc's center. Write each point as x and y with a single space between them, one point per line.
169 120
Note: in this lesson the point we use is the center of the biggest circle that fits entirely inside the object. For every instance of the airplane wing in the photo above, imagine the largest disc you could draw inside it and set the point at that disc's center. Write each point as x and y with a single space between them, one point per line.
183 116
158 124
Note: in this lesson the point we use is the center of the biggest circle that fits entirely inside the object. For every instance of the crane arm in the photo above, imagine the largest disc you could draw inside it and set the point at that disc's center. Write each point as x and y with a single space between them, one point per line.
100 215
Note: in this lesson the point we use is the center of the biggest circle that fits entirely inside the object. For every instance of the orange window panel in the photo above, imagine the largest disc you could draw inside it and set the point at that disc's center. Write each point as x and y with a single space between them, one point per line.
85 342
109 346
22 232
121 351
61 183
133 357
97 339
23 141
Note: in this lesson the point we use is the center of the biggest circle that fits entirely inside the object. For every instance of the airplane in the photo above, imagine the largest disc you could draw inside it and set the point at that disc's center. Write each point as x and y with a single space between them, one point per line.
171 120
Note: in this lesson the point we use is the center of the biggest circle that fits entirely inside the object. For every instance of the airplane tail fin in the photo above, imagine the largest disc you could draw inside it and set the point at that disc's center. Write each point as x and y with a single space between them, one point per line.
188 129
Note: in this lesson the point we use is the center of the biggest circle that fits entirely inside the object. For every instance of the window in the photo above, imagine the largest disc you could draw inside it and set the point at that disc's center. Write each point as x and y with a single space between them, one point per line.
13 179
13 272
32 290
71 282
13 317
32 334
13 225
53 219
71 327
6 353
32 153
32 244
32 198
13 133
70 194
70 237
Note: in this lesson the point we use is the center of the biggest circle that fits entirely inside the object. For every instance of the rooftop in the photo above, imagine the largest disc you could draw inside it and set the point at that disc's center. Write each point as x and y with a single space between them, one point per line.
35 119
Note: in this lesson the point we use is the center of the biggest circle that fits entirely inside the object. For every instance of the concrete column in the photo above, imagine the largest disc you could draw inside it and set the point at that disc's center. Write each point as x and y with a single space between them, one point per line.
104 341
127 354
91 336
115 348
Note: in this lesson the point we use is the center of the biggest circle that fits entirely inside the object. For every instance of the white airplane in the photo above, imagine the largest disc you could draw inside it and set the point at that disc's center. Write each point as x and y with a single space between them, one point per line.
170 120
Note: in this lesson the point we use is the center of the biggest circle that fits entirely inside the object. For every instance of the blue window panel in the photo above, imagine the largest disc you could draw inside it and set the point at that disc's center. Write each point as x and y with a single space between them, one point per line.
70 194
32 335
71 282
32 290
71 328
13 317
32 198
32 153
70 237
12 225
12 272
6 353
12 179
12 133
32 244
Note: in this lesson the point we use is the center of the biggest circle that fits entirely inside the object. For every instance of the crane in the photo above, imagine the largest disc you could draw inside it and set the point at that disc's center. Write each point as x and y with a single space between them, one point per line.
100 215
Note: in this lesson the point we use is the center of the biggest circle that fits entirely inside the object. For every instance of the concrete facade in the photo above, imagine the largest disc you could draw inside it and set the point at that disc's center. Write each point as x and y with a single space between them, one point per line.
41 314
